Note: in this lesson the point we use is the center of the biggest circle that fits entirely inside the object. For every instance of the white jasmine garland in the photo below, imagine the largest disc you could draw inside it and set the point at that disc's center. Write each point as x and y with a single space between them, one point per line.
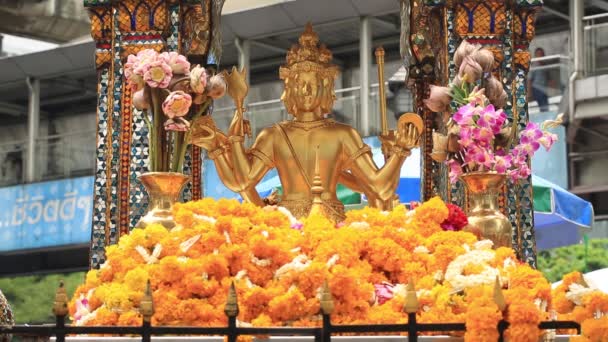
333 260
205 218
261 262
185 246
360 225
483 245
421 250
227 237
298 264
459 281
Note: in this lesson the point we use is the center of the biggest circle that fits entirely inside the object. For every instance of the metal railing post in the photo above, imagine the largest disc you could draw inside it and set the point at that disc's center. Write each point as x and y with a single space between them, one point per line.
232 311
60 310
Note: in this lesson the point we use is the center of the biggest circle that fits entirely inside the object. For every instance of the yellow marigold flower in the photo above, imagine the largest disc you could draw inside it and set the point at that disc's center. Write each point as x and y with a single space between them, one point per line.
596 330
136 279
130 318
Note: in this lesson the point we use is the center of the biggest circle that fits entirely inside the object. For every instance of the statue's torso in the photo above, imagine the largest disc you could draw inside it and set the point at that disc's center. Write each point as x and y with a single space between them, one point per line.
328 136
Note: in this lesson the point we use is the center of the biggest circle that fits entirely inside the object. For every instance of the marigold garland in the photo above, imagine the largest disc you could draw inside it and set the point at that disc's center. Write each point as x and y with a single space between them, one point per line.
278 269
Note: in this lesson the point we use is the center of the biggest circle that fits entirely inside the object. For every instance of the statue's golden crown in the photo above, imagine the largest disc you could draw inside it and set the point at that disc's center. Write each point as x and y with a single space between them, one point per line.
308 56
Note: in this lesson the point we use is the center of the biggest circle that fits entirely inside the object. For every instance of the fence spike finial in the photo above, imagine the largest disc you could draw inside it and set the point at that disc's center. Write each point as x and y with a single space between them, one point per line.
232 306
146 306
60 306
327 301
411 300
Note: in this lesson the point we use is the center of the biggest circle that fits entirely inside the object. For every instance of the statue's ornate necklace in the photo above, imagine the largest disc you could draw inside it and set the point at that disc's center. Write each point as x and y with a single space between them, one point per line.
308 125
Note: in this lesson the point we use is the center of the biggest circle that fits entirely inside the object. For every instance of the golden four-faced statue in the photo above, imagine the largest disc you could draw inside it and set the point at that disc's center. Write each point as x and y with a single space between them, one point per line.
311 153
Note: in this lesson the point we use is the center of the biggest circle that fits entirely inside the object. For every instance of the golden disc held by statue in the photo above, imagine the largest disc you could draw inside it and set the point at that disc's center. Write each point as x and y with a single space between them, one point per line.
410 118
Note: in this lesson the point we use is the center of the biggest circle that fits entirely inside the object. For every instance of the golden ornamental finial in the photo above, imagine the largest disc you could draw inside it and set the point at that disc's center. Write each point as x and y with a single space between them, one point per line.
308 55
232 306
327 301
411 300
317 207
146 306
499 298
60 306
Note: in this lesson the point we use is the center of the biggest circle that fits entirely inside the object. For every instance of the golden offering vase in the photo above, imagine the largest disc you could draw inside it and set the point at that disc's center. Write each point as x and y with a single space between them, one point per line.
164 189
486 220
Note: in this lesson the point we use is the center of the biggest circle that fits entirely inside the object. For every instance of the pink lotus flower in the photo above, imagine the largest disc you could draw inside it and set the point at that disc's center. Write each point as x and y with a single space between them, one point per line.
139 100
198 79
135 63
439 99
216 87
455 170
178 63
136 81
470 70
547 140
157 74
384 292
177 124
177 104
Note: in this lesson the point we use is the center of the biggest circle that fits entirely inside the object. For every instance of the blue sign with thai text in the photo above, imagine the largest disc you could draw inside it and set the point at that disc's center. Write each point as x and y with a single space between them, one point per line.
48 214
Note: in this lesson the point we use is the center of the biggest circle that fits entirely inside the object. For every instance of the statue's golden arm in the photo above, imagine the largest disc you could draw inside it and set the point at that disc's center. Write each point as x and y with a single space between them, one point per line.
382 182
350 181
227 176
379 184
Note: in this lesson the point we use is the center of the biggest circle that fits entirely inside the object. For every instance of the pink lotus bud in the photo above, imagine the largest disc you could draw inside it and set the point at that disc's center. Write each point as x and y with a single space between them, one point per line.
178 63
439 99
177 104
500 101
198 79
457 81
485 58
464 49
493 88
470 71
139 100
216 87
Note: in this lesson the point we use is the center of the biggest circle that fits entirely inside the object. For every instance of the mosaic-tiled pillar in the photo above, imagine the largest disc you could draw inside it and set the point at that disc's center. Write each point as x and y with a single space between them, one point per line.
505 27
120 28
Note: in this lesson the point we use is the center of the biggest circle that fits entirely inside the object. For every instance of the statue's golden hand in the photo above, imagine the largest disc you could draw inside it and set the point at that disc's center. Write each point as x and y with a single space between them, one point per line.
409 128
238 125
408 138
206 135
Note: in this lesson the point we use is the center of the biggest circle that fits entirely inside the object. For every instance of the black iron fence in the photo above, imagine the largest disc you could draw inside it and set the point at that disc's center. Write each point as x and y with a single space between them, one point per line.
322 333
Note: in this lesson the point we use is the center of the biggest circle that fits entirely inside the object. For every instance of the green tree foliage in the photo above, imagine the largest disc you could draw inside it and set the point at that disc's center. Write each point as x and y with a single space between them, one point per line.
31 297
585 257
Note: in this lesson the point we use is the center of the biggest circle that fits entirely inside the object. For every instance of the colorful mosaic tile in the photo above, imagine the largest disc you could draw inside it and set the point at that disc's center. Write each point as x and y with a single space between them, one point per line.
100 202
